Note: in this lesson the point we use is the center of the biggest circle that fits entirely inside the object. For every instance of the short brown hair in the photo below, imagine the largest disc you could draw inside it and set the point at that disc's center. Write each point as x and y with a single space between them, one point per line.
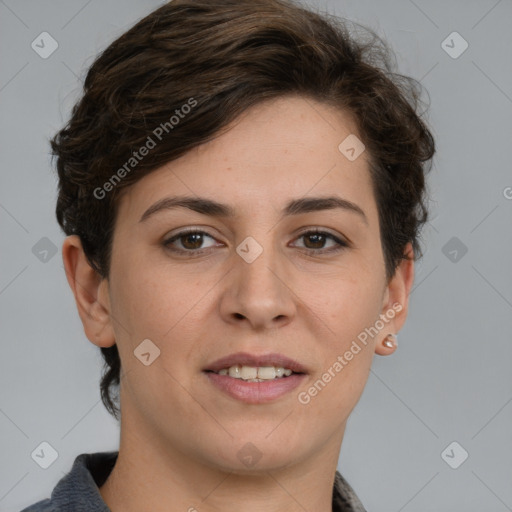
221 57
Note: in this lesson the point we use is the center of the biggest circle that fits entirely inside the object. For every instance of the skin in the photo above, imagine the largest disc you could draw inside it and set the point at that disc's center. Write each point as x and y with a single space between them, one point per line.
180 435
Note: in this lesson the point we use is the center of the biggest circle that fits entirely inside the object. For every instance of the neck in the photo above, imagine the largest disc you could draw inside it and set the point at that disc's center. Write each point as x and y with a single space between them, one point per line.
149 476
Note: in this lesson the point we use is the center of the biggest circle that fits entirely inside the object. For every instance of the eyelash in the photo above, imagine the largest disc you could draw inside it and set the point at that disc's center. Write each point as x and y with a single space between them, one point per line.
197 252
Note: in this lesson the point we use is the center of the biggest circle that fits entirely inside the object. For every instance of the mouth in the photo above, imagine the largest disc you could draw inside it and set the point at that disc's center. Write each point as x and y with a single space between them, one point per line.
249 367
255 379
255 373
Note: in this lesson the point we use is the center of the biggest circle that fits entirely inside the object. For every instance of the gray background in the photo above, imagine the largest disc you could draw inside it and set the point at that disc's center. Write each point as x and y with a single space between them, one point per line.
450 379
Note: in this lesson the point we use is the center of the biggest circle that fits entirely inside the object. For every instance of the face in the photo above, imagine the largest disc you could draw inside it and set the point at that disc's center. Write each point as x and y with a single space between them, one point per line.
259 282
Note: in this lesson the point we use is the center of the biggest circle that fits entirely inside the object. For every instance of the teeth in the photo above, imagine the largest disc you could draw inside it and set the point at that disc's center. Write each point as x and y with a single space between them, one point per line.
248 373
256 374
234 371
266 372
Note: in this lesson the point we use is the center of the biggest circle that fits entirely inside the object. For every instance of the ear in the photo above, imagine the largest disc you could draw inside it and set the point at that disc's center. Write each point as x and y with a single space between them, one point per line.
90 291
396 299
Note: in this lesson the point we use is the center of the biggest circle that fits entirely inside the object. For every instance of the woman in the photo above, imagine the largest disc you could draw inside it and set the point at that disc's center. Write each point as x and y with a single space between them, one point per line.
242 185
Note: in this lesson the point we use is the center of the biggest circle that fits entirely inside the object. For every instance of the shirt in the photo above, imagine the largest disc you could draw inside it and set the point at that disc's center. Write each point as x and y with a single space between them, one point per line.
78 491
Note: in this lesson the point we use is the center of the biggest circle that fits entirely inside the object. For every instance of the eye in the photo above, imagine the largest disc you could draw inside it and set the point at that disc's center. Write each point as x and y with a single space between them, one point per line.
190 239
316 240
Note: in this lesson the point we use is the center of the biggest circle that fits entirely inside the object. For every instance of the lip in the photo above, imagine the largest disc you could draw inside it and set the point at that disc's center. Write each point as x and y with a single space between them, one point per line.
246 359
255 392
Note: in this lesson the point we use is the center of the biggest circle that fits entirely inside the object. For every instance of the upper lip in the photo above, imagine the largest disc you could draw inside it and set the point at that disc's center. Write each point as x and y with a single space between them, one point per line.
246 359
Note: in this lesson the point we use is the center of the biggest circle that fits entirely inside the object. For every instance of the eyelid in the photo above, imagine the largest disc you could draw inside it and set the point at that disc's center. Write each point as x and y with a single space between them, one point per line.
186 231
340 241
306 229
316 229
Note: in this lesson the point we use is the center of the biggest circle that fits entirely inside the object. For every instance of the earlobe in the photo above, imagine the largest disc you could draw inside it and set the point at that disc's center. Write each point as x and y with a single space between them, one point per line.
90 291
396 303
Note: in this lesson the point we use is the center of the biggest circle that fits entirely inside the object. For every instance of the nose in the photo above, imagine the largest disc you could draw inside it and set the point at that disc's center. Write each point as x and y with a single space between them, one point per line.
259 293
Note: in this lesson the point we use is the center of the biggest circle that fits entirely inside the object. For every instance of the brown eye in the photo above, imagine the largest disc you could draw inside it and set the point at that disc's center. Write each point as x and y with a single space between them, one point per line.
315 241
191 241
318 240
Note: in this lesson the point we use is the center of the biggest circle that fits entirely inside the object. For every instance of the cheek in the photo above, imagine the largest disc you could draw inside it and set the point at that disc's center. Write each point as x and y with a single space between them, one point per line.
166 308
346 305
152 299
345 314
165 311
345 352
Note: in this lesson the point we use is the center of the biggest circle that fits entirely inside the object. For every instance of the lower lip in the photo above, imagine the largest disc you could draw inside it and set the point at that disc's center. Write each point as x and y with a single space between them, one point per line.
255 392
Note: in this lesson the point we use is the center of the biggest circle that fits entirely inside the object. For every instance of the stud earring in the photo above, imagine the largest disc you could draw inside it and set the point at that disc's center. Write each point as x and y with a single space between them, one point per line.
390 341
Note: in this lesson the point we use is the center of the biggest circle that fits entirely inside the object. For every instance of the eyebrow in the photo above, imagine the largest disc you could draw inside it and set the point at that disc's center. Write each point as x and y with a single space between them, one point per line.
215 209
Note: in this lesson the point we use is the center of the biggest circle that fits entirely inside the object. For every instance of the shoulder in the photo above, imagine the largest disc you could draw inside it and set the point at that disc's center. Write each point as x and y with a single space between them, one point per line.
40 506
344 497
78 490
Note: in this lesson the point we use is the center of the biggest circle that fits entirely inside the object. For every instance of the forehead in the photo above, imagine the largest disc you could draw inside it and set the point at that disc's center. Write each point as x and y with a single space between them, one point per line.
276 151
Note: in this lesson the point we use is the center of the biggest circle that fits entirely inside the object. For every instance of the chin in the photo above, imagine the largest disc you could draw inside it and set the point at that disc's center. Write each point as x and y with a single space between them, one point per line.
250 456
